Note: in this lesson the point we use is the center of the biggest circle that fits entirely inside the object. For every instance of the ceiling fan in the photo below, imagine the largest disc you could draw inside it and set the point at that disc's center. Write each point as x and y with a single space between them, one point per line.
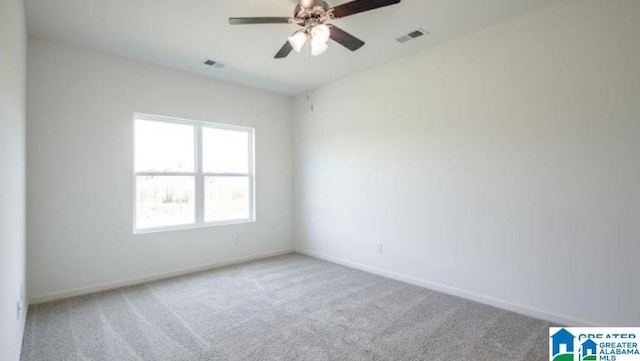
313 16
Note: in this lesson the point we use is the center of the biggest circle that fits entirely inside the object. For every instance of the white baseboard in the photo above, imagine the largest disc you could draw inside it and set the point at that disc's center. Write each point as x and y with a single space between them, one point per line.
134 281
505 305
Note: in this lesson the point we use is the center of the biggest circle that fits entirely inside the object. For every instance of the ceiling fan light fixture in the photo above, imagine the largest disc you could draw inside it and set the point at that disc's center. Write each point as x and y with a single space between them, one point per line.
297 40
311 17
320 33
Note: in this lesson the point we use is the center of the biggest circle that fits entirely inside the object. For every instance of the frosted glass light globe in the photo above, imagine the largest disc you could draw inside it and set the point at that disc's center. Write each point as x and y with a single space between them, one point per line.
297 40
320 33
318 48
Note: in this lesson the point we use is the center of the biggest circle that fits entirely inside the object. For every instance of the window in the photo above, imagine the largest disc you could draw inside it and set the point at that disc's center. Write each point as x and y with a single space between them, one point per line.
190 173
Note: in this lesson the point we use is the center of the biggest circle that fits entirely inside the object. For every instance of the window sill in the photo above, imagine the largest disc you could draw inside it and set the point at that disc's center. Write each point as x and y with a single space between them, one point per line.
191 226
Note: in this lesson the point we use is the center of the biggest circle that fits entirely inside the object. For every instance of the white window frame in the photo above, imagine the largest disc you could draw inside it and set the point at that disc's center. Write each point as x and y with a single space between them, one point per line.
198 174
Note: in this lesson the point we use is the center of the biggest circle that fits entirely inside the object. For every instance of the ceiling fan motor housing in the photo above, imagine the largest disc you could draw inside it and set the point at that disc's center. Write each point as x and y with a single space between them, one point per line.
317 12
307 4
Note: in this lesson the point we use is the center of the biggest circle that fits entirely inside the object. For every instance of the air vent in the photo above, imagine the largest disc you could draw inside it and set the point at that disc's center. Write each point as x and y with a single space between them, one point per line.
416 34
412 35
213 63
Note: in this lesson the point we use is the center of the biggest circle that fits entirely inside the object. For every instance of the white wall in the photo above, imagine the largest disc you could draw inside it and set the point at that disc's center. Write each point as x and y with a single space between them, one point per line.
79 159
502 166
13 46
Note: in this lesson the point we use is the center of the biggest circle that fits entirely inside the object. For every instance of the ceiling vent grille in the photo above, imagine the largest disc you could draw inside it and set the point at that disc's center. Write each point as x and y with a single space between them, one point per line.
415 34
412 35
213 63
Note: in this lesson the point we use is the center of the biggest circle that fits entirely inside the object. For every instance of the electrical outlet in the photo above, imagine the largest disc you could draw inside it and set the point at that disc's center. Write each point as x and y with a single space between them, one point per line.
18 310
379 249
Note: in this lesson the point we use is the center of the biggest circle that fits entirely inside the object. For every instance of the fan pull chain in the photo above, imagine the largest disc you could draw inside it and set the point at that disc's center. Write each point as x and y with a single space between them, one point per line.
309 77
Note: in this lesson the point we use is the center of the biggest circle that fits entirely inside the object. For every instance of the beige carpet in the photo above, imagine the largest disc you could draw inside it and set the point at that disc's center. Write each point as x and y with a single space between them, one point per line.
284 308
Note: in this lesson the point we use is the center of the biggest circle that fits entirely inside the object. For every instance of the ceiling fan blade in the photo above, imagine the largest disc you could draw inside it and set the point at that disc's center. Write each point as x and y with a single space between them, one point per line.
259 20
358 6
284 51
345 39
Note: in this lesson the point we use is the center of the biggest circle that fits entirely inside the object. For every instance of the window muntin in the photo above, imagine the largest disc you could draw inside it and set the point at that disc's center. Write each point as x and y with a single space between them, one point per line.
190 174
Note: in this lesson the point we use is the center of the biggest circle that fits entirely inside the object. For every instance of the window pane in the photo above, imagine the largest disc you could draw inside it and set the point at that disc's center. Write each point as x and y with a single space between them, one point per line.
226 198
225 151
164 147
164 201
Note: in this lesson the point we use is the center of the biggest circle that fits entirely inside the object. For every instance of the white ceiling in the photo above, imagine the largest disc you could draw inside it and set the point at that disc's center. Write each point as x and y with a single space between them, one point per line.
182 34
